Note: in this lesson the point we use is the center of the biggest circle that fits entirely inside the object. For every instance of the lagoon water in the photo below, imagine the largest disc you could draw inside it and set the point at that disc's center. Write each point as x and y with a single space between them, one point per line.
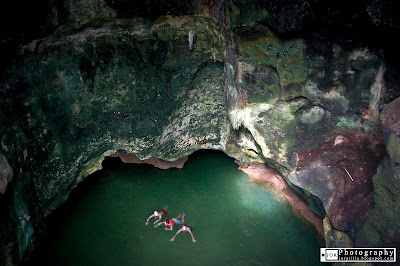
235 221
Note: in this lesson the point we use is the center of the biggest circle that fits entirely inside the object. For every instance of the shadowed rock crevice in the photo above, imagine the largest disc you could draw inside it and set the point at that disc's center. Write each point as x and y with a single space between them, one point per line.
162 164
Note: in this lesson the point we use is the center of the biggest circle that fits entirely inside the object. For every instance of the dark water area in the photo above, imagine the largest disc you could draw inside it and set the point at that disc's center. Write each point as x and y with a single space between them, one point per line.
235 221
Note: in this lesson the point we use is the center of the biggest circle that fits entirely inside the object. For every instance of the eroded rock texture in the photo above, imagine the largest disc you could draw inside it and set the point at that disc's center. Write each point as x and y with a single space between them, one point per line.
83 93
296 86
381 227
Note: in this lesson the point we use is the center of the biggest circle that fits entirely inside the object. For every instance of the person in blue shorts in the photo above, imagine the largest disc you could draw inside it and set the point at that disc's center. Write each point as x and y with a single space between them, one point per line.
170 222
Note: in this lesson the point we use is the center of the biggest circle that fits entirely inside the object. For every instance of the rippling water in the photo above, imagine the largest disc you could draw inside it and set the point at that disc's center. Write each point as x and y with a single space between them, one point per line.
235 221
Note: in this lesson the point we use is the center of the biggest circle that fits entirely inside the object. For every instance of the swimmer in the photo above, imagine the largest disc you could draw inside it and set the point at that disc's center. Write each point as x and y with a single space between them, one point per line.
170 222
157 214
184 228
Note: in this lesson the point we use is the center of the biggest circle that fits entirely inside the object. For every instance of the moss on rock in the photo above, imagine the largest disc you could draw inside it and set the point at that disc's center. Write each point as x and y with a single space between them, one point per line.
113 85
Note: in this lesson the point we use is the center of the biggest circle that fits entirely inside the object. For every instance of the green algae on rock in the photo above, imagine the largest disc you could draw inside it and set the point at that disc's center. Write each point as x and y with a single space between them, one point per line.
308 105
82 94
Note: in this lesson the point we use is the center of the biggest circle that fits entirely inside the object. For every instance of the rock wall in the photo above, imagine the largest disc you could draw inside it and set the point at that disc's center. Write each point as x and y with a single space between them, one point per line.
381 227
83 93
121 79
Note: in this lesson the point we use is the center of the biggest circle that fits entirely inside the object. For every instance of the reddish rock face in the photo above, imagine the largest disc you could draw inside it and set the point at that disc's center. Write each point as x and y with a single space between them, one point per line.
276 183
340 174
390 116
6 173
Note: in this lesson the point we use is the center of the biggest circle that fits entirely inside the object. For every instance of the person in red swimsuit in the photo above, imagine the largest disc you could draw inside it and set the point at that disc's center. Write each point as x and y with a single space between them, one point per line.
170 222
157 214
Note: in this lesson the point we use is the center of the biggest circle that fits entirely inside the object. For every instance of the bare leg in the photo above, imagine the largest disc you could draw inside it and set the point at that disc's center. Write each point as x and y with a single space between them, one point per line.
179 216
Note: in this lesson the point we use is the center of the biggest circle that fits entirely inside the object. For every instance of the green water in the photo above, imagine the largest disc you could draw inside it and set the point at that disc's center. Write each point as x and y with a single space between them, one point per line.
235 221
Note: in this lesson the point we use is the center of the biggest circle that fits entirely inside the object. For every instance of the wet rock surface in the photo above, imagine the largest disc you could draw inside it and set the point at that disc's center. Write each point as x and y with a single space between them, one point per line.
99 90
382 225
340 174
81 94
277 184
132 158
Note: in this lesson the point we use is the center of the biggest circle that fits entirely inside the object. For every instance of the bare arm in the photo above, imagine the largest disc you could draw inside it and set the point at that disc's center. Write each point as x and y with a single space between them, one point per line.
151 216
159 218
157 225
173 238
190 232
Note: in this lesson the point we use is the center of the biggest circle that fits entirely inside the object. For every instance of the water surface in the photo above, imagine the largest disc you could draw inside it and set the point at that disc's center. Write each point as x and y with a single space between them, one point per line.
235 221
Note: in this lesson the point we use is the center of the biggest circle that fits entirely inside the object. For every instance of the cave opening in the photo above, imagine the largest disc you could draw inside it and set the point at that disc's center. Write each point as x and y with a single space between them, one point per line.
235 221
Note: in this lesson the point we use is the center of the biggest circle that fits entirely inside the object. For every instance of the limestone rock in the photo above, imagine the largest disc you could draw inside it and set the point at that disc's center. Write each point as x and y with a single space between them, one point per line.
382 225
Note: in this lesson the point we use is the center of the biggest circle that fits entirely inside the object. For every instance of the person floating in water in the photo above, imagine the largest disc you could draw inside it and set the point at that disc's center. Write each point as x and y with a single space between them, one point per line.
170 222
157 214
184 228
